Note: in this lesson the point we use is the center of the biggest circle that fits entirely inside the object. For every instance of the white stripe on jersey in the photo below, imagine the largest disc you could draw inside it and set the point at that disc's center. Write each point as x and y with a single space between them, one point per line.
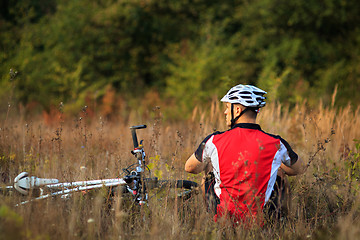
210 153
280 156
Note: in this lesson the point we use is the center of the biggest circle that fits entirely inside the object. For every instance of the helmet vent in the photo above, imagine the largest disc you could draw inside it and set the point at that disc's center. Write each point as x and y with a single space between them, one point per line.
246 97
259 93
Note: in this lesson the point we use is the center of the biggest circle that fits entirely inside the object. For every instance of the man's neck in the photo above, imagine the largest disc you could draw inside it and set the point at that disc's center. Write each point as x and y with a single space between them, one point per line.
244 119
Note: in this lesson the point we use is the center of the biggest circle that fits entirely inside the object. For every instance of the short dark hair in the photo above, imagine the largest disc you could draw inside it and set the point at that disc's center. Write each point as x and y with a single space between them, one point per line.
251 112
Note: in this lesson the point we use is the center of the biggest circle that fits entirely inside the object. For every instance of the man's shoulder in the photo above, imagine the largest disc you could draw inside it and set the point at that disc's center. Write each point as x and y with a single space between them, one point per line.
292 154
212 134
199 151
275 137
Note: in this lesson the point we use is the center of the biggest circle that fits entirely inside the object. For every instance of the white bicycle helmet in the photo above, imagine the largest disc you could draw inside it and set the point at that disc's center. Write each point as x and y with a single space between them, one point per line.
246 95
249 96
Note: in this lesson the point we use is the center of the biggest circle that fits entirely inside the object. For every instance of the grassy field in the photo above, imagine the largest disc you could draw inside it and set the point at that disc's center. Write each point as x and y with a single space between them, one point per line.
324 202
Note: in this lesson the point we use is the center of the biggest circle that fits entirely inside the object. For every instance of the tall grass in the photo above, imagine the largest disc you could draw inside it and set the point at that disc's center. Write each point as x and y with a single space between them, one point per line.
324 202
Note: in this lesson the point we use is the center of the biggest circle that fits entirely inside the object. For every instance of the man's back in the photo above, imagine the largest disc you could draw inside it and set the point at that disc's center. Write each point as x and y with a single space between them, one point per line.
245 161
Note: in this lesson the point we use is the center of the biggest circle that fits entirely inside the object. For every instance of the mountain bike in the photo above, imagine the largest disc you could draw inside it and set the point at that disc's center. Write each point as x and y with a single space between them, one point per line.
137 183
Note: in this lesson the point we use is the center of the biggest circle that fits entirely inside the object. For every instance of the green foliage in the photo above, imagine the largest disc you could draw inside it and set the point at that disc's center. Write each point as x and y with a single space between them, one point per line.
66 51
353 164
154 167
10 224
298 44
197 77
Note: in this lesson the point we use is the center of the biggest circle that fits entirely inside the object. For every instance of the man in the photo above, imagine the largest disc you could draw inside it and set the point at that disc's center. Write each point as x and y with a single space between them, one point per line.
243 160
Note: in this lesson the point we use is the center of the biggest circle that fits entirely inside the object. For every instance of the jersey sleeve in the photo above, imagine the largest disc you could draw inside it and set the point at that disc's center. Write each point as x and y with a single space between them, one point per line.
200 150
291 157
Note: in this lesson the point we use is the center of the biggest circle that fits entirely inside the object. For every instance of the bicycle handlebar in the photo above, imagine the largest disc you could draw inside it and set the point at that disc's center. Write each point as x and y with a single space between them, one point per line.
138 127
133 133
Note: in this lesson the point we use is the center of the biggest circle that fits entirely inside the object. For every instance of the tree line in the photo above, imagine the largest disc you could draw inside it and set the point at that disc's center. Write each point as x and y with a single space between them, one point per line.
188 51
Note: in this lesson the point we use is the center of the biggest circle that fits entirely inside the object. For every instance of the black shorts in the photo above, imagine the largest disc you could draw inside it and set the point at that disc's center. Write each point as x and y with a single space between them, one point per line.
275 207
211 198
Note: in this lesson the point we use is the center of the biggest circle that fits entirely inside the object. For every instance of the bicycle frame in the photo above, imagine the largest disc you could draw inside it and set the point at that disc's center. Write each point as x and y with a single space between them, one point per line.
134 180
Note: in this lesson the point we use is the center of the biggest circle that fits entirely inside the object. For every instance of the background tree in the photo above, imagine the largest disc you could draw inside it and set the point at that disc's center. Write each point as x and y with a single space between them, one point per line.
188 51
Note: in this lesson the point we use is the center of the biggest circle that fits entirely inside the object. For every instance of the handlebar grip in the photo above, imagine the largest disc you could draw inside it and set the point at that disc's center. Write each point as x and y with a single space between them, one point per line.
138 127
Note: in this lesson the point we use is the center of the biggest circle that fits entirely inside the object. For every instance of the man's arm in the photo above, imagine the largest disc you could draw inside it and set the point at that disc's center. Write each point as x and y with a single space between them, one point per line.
193 165
295 169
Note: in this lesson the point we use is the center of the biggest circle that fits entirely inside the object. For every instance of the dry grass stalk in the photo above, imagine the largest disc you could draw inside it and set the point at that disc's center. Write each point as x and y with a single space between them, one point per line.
323 199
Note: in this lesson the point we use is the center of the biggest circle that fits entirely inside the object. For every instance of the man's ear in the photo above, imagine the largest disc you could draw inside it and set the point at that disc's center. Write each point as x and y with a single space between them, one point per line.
237 109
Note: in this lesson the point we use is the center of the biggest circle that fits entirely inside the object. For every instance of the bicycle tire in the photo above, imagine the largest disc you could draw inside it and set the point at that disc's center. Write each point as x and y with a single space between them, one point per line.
164 189
184 189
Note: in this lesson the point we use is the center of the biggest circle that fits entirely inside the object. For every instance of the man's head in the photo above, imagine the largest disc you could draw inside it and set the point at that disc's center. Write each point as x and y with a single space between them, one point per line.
243 99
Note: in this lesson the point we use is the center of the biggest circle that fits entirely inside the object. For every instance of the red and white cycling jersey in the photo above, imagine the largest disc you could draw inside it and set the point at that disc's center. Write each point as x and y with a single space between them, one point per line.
245 161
